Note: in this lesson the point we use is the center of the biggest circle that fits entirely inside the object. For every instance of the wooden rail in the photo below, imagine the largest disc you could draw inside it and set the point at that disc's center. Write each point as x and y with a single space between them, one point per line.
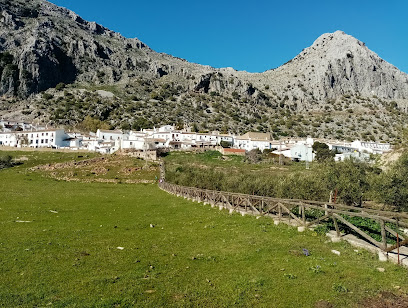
295 211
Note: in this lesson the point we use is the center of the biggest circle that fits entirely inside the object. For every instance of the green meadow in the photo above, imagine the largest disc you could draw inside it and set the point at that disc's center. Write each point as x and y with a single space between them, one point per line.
91 244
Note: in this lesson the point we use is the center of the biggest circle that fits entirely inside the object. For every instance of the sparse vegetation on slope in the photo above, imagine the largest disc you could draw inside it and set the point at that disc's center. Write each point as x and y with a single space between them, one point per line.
337 88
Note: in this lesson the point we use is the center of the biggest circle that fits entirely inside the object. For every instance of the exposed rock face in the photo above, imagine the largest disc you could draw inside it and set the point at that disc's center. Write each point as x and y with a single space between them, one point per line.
335 88
52 44
338 64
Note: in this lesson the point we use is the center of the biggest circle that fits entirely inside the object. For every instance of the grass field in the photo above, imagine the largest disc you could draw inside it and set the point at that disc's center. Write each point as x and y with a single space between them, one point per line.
59 247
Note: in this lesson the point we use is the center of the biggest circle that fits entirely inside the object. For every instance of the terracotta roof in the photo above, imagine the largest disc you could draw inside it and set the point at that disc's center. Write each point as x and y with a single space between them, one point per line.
233 150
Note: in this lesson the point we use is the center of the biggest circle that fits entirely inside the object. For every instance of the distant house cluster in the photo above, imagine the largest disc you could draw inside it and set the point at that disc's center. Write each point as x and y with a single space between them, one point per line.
21 134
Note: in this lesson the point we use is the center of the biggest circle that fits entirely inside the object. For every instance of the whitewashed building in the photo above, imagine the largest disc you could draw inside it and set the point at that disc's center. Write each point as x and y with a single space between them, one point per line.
253 140
50 138
111 135
301 152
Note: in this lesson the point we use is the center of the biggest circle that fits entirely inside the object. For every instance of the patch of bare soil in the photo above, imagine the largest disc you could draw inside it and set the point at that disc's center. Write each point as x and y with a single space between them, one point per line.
99 166
385 300
71 164
130 170
389 158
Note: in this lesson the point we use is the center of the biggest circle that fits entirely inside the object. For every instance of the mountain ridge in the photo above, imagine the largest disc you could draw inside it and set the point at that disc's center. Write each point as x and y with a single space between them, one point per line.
52 45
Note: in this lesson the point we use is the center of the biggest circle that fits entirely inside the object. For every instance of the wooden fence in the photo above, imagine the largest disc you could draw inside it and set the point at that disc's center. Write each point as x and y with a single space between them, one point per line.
296 211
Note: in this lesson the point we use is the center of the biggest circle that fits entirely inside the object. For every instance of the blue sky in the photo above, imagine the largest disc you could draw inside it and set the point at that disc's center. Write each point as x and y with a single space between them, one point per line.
251 35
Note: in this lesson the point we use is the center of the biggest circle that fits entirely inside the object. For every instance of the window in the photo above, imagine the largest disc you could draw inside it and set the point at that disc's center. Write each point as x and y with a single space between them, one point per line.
36 141
46 134
42 140
46 140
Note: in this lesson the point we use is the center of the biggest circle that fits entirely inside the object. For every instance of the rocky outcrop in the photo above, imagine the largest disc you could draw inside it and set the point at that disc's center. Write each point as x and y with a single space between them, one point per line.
51 44
338 64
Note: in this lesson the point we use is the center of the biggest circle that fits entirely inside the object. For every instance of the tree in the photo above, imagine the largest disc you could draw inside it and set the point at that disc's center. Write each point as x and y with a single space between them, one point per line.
350 178
322 151
254 156
92 124
391 187
225 144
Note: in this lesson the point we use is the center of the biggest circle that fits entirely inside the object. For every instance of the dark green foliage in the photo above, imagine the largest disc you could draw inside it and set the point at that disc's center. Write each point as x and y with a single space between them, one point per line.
125 126
92 124
391 187
225 144
322 151
142 123
350 178
60 86
5 161
204 171
47 96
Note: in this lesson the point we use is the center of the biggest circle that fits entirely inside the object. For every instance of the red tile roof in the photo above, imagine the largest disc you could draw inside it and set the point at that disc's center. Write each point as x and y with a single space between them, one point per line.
234 150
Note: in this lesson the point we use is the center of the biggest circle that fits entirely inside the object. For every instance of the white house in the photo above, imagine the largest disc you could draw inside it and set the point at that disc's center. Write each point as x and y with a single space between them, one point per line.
8 139
13 125
55 138
253 140
110 135
225 138
302 152
137 143
166 128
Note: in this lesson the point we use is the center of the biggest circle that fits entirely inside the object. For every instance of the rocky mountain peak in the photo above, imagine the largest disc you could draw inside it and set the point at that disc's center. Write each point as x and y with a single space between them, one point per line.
337 64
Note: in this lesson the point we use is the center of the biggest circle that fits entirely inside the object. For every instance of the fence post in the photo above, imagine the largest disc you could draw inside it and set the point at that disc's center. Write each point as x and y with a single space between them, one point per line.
336 226
383 234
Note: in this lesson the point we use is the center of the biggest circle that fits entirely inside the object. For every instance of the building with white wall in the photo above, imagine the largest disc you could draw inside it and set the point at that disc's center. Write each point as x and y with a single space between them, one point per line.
50 138
301 152
253 140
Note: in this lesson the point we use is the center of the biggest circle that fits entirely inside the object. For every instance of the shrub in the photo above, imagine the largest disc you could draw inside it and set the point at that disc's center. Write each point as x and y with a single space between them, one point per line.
391 187
5 161
322 151
47 96
60 86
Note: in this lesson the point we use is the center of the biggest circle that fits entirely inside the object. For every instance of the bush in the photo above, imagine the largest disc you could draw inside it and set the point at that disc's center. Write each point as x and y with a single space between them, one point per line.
5 161
350 178
47 96
322 151
391 187
60 86
225 144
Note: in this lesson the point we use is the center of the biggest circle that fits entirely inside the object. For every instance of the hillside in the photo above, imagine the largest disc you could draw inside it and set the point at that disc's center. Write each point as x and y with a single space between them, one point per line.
336 88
